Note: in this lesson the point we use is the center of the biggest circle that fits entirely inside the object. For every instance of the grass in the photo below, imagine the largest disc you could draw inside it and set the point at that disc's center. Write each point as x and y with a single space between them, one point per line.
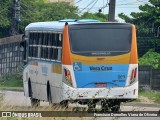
153 95
11 81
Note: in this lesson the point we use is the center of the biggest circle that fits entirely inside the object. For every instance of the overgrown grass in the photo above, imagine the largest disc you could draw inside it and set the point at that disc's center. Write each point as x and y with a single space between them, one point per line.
12 80
153 95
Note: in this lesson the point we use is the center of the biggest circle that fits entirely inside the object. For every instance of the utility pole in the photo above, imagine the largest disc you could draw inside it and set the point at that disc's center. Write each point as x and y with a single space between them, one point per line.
15 17
112 6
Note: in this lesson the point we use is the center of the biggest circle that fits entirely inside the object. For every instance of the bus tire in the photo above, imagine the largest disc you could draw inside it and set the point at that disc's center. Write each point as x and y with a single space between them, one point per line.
115 106
110 106
49 95
29 88
105 106
35 102
91 106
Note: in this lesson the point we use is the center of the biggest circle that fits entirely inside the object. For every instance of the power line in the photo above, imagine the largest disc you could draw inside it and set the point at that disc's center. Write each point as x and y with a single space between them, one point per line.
87 6
92 5
78 1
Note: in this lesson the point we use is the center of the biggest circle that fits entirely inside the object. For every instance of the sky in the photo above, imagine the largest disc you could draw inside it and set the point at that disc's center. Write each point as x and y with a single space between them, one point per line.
122 6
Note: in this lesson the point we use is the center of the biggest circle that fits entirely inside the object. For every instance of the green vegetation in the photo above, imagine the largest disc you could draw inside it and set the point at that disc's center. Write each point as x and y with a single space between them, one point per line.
150 58
39 11
13 80
153 95
147 18
97 16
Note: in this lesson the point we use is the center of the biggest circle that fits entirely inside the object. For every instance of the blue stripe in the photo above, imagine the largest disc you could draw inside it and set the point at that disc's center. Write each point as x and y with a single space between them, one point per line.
112 75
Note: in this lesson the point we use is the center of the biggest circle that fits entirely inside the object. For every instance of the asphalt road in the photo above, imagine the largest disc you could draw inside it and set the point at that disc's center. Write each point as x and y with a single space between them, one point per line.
17 99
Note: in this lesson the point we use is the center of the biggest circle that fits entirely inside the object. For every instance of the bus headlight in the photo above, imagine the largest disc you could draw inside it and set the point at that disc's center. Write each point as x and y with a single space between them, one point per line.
133 75
68 76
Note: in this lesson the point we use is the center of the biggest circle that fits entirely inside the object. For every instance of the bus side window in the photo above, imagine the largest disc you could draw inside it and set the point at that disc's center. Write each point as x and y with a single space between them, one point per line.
41 39
30 51
47 39
59 40
31 38
59 54
34 39
35 52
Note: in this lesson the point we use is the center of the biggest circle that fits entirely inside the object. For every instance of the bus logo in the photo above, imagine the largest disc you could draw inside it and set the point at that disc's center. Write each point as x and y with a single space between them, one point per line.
77 66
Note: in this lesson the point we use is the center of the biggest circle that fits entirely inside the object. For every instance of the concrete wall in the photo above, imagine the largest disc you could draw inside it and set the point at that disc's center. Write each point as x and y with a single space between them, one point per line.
11 57
11 39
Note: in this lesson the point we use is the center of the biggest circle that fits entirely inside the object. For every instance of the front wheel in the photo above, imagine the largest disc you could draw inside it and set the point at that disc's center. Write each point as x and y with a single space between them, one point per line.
35 102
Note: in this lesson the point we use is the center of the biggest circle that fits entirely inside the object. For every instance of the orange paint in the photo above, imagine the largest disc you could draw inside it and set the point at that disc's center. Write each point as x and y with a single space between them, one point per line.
34 63
66 56
134 54
129 58
119 59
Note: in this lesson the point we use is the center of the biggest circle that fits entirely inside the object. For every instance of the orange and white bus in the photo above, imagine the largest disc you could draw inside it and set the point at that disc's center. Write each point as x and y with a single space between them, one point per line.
85 61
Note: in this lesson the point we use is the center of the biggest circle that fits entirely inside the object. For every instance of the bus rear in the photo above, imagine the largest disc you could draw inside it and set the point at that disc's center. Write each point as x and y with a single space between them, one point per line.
100 62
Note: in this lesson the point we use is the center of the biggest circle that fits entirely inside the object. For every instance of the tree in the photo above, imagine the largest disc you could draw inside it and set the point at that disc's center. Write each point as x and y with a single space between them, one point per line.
148 20
34 11
97 16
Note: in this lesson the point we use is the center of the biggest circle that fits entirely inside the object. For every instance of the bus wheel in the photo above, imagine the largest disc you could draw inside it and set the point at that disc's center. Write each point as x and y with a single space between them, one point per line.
91 106
35 102
115 106
105 106
110 106
49 95
64 104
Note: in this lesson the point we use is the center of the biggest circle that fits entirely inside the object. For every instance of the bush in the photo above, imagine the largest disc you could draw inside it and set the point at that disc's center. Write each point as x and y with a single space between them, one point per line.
150 58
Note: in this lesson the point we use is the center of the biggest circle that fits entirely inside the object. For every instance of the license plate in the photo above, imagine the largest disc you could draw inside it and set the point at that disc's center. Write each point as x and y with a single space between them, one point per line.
100 85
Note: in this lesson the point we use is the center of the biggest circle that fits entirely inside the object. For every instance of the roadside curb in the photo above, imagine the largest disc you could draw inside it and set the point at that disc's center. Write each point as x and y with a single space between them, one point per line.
20 89
138 104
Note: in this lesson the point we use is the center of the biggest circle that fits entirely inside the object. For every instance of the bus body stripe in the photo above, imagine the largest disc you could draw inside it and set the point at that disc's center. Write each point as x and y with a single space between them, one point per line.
119 59
66 56
134 54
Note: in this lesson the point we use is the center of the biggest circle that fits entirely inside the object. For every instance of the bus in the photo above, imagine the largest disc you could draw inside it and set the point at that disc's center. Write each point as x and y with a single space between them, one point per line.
84 61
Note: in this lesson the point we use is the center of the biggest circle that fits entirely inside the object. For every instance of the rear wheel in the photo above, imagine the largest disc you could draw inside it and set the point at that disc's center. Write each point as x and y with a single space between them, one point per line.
110 106
115 106
34 102
91 106
49 95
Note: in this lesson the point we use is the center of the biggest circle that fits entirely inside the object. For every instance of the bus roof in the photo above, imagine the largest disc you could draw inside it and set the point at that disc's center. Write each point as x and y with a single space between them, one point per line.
57 25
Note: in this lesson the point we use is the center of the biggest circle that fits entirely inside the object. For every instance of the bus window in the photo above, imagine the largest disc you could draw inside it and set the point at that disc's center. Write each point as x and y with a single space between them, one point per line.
49 39
43 39
30 51
39 39
31 38
59 40
34 39
59 54
35 52
53 53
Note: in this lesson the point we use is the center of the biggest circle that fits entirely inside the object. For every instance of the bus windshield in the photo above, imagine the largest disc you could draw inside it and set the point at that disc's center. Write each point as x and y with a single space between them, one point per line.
100 40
